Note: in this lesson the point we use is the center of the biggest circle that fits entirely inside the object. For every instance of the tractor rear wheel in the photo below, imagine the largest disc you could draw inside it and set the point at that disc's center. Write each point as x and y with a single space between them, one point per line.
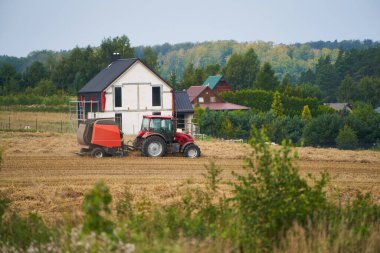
192 151
154 146
98 153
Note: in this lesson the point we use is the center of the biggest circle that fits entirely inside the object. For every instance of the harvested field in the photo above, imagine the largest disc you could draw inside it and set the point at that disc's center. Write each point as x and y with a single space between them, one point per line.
41 173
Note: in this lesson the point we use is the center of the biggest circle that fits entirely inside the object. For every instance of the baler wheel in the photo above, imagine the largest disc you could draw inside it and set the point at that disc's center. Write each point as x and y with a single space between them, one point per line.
97 153
154 146
192 151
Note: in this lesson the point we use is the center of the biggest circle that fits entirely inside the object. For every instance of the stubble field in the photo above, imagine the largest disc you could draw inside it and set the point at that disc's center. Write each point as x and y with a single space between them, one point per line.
42 173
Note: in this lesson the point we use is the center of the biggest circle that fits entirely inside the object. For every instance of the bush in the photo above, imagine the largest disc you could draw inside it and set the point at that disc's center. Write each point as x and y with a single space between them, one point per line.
323 130
346 138
22 232
272 195
262 100
96 210
286 127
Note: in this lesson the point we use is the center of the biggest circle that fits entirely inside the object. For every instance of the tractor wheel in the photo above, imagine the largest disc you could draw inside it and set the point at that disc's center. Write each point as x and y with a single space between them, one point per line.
192 151
98 153
154 146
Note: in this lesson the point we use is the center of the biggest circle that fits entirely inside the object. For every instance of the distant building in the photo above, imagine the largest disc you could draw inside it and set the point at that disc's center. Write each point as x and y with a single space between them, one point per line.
206 98
339 107
202 94
217 83
183 111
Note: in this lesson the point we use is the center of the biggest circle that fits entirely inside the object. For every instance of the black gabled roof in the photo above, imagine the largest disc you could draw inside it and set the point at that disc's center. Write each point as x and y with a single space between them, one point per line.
108 75
182 102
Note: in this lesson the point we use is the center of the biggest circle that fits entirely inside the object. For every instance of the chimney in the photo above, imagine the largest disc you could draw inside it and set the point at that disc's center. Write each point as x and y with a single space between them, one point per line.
114 57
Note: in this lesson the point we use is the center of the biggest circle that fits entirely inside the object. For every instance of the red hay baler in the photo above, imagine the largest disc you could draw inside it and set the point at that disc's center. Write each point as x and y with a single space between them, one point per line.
158 136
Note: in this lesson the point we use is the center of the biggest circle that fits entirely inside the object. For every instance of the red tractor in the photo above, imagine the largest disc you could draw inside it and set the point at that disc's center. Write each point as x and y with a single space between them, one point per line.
158 136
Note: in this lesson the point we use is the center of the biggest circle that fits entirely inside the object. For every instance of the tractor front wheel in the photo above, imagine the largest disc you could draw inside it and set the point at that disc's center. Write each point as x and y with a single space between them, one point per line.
98 153
154 146
192 151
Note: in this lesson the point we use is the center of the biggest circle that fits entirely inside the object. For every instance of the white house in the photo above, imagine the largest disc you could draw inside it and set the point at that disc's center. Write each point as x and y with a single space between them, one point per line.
126 90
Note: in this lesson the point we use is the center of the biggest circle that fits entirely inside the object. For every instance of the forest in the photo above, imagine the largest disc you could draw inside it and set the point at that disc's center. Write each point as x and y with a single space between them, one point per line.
284 85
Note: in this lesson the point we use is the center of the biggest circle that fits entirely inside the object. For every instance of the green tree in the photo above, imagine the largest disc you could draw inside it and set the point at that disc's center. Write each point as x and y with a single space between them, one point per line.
198 112
323 130
35 73
9 80
369 90
266 78
234 71
346 138
347 90
120 45
173 80
306 114
277 108
307 77
150 58
327 78
285 82
44 88
212 70
241 70
188 77
227 130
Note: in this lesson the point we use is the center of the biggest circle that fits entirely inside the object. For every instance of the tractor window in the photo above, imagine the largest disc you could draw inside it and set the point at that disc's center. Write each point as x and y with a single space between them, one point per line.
155 125
166 125
145 124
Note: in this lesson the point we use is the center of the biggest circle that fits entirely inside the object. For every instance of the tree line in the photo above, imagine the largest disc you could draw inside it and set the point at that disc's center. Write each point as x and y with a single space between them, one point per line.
70 72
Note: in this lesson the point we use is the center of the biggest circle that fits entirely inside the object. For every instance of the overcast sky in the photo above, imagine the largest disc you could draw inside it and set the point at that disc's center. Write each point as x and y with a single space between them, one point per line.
52 24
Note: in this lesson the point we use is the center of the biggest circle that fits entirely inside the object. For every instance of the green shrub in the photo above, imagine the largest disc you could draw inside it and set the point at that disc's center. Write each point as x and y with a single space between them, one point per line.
346 138
306 114
22 232
286 127
271 196
96 210
262 100
323 130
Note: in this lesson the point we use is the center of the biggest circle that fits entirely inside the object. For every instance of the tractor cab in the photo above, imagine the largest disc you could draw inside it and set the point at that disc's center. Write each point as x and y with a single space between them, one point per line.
162 125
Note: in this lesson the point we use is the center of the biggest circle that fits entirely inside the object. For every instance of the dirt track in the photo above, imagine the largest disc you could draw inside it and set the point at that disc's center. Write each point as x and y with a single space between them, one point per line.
41 172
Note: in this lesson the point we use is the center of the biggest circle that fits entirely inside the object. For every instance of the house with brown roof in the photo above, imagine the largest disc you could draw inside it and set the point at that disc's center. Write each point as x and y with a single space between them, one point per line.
218 84
207 98
339 106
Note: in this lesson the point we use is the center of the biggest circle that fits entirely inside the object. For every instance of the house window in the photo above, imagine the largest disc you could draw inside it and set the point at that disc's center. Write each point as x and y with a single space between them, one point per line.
156 113
119 120
212 99
156 96
117 96
201 100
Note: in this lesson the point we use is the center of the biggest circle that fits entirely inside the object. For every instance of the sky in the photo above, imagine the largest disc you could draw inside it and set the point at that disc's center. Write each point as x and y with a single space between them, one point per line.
29 25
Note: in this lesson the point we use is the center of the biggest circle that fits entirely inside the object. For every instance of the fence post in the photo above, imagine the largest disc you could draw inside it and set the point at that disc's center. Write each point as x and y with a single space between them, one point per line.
61 126
36 125
9 122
